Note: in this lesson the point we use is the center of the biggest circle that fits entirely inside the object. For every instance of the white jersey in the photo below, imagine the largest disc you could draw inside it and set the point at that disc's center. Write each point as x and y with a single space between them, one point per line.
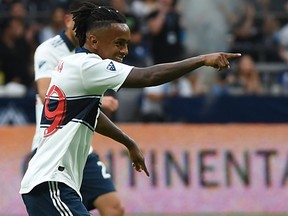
70 116
46 58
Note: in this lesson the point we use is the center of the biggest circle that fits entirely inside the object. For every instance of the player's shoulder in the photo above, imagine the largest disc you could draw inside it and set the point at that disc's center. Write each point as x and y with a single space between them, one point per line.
82 57
51 43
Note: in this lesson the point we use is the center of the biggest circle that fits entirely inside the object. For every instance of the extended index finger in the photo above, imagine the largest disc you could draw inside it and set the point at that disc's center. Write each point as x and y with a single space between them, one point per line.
232 55
144 168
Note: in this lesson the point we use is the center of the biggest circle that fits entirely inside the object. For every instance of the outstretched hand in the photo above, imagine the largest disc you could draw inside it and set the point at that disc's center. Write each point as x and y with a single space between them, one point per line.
219 60
138 161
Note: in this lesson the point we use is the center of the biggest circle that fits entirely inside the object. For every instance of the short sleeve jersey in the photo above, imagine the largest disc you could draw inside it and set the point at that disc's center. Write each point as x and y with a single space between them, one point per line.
46 58
69 118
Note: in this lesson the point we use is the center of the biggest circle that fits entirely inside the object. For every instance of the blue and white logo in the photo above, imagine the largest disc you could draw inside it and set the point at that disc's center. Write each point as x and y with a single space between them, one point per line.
111 67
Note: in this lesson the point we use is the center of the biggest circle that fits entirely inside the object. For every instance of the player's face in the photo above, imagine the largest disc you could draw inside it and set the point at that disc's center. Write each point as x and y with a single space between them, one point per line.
112 43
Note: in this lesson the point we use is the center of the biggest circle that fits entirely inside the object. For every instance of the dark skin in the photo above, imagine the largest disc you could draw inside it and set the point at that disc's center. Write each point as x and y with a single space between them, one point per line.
112 43
107 128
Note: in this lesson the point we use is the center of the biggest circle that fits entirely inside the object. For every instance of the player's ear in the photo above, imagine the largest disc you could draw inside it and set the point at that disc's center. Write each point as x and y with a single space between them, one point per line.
93 41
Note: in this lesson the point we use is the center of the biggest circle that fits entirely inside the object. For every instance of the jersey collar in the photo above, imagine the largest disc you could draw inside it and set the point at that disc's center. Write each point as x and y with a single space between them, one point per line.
82 50
68 43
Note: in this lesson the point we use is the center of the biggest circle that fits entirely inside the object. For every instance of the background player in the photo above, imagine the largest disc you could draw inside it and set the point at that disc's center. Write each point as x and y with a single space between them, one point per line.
103 36
97 190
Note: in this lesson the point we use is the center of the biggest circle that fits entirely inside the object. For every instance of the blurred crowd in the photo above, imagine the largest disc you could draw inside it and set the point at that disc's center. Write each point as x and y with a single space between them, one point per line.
163 31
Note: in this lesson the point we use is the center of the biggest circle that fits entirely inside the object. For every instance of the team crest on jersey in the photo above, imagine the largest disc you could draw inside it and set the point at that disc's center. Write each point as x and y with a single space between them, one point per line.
111 67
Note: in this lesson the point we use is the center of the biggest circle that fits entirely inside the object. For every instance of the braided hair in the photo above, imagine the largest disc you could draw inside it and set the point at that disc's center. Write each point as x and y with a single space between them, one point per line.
90 16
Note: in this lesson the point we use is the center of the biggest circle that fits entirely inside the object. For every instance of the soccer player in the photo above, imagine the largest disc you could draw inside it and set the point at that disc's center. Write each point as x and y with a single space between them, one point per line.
71 111
97 189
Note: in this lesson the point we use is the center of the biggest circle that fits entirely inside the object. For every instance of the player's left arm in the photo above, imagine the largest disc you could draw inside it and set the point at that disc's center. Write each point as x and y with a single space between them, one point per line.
107 128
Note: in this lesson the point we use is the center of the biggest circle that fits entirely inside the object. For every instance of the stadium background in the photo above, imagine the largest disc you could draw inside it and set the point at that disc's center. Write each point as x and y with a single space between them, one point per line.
222 156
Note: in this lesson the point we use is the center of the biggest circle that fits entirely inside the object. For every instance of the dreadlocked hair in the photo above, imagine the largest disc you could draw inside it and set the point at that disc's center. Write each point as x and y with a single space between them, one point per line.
90 16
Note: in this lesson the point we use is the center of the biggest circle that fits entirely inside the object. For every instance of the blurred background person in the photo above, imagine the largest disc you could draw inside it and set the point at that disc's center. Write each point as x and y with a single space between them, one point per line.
142 8
18 9
164 26
245 80
153 98
253 30
152 107
15 57
55 24
165 35
207 28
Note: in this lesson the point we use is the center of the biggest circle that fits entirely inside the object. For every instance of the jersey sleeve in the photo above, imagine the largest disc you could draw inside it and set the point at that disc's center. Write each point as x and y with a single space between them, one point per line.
45 62
100 75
